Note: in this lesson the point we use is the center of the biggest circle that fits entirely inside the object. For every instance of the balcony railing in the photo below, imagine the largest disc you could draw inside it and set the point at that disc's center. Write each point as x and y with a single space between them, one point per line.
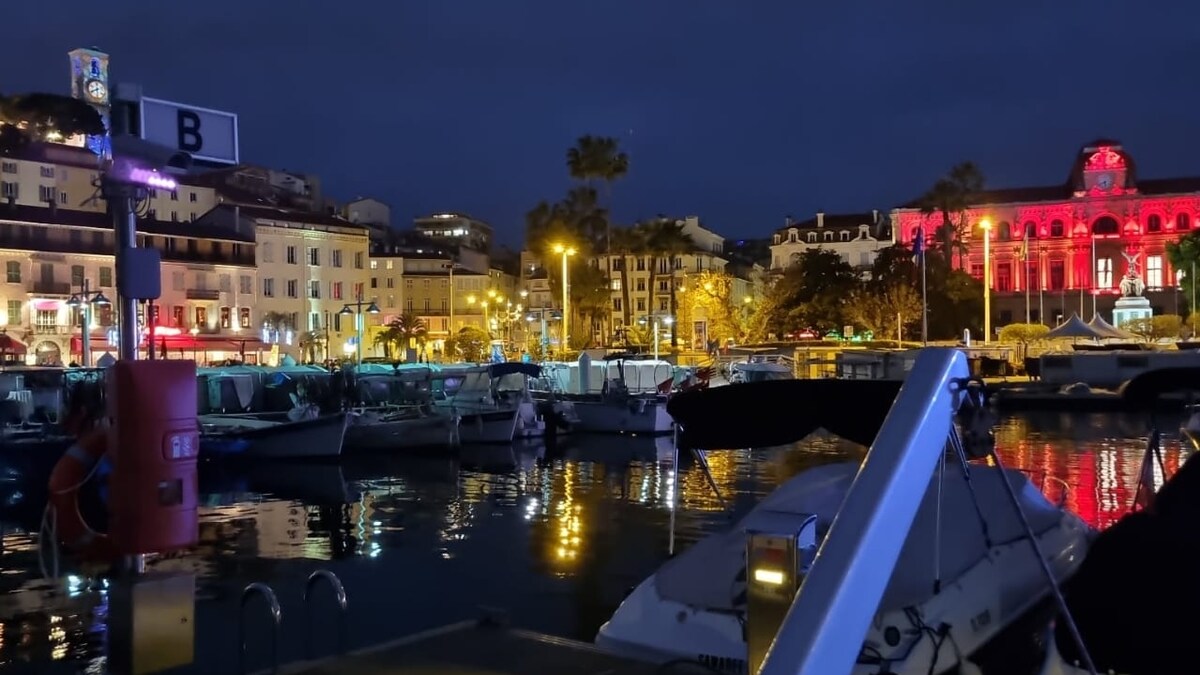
202 294
52 287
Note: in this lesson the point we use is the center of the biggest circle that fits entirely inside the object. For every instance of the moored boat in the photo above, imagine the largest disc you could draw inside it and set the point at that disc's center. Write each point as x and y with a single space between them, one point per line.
610 396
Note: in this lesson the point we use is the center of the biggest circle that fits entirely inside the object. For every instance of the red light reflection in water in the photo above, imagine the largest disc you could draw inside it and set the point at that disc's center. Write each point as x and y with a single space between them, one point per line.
1097 475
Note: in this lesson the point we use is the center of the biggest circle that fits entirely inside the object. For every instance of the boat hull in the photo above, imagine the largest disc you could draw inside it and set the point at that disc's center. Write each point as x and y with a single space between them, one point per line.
1004 586
316 438
642 416
415 432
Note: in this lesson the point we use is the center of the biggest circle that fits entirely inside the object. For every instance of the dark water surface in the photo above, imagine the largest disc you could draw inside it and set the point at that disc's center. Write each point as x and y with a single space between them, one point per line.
555 540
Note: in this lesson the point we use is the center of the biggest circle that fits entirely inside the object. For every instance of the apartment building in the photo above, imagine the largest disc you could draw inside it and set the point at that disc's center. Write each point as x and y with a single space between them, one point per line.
856 237
310 267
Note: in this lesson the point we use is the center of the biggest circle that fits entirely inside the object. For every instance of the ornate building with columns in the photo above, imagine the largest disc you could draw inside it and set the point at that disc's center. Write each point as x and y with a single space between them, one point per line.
1060 249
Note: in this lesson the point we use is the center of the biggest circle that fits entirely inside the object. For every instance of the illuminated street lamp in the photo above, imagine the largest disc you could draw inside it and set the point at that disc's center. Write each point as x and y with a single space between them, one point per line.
566 252
657 319
987 279
357 309
84 300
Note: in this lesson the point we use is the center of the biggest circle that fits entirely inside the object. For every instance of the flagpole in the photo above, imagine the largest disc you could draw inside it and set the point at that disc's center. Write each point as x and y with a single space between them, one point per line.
924 295
1095 274
1025 251
1041 288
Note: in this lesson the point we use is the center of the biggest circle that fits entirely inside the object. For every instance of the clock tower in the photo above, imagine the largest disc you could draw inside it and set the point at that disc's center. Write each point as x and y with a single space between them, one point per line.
89 82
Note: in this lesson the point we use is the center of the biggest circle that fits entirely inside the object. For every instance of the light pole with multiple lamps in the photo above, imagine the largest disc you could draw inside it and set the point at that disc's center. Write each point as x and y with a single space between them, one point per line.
83 301
987 279
657 320
357 309
565 251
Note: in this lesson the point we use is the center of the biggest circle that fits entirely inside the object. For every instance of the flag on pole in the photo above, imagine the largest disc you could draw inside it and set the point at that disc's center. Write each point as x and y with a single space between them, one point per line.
918 245
1025 246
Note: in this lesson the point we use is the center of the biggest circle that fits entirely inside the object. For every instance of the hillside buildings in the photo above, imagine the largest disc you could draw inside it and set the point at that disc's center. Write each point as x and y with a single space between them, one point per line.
856 237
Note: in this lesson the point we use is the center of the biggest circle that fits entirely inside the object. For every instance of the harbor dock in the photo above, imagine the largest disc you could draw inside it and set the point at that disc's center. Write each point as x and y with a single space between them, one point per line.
485 647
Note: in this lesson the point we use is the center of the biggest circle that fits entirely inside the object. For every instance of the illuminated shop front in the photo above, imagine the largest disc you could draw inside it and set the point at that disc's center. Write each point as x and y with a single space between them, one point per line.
1063 249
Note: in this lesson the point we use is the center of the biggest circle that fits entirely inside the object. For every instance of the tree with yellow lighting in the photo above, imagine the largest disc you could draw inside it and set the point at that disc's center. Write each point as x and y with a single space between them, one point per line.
709 296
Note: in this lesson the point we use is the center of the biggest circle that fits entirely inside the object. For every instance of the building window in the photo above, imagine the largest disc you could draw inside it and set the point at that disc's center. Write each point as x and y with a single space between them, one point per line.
314 321
1004 277
374 263
244 317
1104 273
1032 280
1183 222
62 198
1057 228
192 197
13 271
8 167
812 238
245 284
9 190
45 320
268 251
201 317
225 283
426 304
14 313
76 275
335 258
845 235
291 255
106 277
616 284
268 288
358 261
314 256
977 270
1154 271
641 304
293 288
177 316
391 282
1154 223
226 317
335 290
47 194
47 171
314 289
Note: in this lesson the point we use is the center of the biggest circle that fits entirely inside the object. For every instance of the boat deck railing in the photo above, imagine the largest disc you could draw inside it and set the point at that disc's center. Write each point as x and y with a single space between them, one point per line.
822 632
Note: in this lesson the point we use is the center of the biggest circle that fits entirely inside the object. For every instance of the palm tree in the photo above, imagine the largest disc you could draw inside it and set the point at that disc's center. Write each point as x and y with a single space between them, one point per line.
625 242
665 238
950 196
400 332
598 158
590 298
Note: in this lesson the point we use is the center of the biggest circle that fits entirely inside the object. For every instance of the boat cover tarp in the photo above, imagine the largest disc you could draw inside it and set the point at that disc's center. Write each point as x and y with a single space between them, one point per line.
707 574
777 412
1148 387
515 367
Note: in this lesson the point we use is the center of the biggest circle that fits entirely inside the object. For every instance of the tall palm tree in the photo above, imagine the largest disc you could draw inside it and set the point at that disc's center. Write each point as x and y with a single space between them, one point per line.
950 196
665 239
598 158
400 332
626 241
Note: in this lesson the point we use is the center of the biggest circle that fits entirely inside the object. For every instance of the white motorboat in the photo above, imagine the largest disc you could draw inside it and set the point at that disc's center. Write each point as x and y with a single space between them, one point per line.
400 427
298 433
492 403
756 371
611 396
693 607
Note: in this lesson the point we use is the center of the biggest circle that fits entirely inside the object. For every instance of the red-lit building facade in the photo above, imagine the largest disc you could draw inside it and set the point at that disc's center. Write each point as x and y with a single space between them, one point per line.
1077 233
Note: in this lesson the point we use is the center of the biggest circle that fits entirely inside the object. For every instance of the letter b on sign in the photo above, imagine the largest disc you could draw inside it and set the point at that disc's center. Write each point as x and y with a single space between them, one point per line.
188 126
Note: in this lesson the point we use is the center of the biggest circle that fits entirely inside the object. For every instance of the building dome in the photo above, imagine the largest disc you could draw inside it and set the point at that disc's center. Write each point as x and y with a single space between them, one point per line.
1102 156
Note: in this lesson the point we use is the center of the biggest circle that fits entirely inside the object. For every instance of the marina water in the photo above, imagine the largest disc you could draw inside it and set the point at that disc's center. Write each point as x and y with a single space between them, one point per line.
555 537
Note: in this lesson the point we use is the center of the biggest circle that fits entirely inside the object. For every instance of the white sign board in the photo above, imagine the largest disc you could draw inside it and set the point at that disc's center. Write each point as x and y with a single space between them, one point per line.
205 134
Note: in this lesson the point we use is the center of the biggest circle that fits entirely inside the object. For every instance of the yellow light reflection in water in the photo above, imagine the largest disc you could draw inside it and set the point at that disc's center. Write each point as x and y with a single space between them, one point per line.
568 521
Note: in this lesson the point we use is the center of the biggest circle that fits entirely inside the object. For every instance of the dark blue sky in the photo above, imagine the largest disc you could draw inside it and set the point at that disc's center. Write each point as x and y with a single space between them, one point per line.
740 112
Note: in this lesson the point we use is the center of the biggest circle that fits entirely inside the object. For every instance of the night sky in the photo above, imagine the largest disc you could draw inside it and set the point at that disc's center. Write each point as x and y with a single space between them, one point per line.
739 111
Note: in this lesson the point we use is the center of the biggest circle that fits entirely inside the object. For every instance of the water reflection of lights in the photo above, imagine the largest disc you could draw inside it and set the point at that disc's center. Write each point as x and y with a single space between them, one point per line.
568 518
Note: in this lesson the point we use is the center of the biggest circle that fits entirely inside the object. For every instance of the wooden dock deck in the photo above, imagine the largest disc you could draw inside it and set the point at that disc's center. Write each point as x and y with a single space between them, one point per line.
478 648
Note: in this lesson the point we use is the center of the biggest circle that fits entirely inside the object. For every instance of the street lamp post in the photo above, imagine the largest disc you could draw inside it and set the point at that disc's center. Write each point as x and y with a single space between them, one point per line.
987 279
566 252
657 320
544 339
357 309
83 300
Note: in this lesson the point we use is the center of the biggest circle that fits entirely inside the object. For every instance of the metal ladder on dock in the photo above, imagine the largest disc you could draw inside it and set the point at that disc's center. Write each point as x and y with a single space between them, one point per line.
276 614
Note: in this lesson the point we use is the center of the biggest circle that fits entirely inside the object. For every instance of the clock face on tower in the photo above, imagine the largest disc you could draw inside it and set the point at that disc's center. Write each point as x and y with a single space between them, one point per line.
1104 181
96 91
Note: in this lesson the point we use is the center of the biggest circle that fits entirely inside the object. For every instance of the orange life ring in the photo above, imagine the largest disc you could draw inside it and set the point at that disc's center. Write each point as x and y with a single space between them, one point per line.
69 474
